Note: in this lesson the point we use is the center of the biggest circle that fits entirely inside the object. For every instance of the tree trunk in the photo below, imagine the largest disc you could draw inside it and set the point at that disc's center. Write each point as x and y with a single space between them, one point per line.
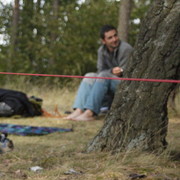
124 16
14 34
138 116
27 32
15 23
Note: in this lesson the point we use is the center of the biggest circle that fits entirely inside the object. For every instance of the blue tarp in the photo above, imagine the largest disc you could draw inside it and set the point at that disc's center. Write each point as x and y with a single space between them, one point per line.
30 130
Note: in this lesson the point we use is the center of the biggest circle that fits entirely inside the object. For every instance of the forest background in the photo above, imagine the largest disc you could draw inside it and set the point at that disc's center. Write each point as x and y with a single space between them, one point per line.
58 36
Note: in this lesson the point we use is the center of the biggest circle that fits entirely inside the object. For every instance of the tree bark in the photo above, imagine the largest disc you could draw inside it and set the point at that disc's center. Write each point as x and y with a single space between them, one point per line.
15 23
14 34
138 117
124 16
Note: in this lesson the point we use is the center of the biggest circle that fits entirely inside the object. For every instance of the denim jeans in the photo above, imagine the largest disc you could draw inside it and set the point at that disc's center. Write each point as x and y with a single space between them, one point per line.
92 91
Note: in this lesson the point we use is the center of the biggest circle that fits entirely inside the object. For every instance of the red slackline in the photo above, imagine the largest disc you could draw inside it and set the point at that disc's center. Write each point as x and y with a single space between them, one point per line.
72 76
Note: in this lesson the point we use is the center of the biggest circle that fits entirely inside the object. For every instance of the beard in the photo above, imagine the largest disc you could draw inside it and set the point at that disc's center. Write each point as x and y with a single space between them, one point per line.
114 45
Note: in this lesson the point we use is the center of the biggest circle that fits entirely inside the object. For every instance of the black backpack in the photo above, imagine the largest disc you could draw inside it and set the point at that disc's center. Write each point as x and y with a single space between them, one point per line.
17 103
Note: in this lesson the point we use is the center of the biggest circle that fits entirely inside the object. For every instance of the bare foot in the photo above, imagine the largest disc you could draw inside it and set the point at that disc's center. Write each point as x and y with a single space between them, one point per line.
88 115
73 115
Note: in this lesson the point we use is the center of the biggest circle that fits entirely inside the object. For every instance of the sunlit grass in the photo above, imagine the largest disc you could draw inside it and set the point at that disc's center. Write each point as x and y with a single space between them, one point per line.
57 153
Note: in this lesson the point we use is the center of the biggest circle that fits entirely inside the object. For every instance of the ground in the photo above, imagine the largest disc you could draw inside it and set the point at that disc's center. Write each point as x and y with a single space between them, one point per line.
61 155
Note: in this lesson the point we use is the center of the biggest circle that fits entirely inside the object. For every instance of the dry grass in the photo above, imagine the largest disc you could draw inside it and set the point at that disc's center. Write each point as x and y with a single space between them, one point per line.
59 152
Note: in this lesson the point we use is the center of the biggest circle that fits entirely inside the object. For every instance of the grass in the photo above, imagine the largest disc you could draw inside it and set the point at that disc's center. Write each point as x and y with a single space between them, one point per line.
57 153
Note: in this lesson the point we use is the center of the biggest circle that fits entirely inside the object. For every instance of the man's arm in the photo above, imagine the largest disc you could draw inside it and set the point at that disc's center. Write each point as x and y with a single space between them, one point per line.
100 62
124 53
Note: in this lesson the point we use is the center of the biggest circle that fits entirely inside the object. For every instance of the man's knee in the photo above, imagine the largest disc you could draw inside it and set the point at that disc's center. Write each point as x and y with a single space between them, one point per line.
88 79
104 74
102 77
91 74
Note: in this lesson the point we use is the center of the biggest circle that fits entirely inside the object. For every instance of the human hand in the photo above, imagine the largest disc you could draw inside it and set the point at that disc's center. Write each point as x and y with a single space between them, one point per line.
117 71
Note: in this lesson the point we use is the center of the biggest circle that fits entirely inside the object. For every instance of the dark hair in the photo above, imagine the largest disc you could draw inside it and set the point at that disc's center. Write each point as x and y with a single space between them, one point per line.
106 28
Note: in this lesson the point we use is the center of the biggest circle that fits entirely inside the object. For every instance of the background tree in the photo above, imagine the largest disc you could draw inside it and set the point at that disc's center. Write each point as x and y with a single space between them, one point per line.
124 19
138 117
14 32
5 31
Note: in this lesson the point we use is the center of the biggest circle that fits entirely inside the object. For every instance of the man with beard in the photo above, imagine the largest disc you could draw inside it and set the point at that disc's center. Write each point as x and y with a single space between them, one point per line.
112 58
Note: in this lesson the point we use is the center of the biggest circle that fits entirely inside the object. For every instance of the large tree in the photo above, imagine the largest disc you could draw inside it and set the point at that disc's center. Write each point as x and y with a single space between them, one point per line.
138 118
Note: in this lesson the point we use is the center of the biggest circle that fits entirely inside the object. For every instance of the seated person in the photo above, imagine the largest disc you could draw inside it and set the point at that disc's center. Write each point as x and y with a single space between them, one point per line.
112 58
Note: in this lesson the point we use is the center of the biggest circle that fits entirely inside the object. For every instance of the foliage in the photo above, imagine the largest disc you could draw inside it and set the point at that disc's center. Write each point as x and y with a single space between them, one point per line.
62 43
